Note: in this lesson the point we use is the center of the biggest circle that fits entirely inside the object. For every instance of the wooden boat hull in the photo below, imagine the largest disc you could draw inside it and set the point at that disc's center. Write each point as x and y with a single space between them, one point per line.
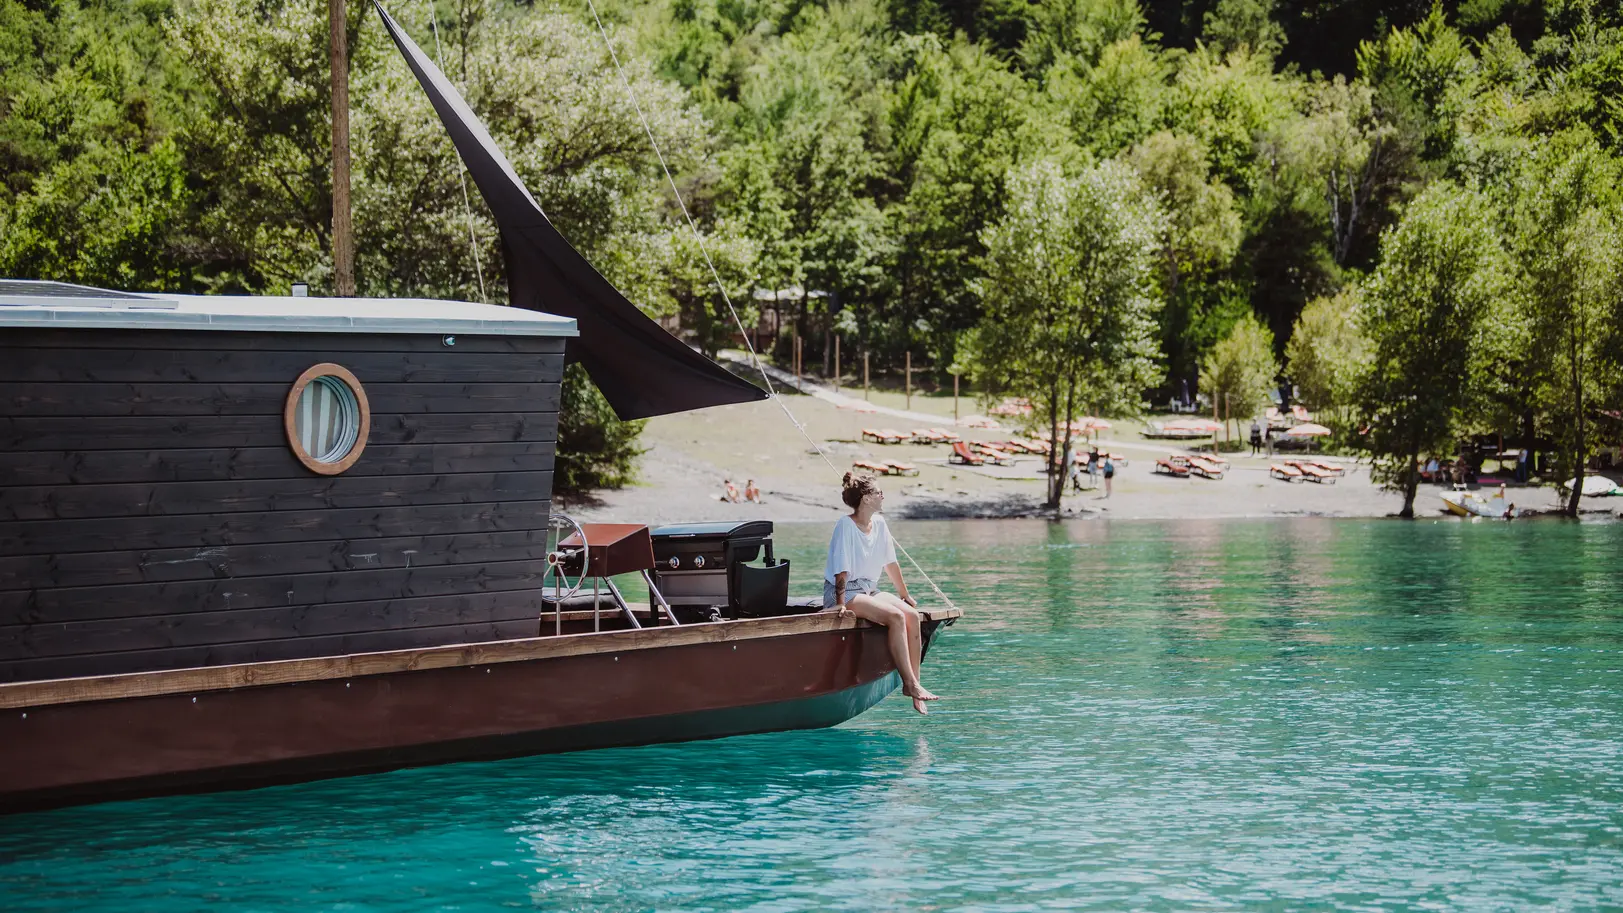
477 702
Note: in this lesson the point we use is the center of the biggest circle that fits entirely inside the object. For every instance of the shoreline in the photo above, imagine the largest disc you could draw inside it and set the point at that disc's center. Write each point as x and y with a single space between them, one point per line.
680 477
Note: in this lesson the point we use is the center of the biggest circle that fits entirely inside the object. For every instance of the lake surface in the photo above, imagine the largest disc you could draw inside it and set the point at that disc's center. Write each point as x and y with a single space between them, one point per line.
1223 715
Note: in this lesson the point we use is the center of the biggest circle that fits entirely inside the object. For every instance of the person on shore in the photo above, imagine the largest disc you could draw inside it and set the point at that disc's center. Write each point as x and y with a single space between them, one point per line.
729 491
1268 439
1093 466
1109 473
1073 469
859 550
1256 438
752 494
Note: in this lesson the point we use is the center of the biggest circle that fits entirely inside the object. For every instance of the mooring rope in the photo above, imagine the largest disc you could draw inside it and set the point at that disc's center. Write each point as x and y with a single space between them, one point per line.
704 250
461 169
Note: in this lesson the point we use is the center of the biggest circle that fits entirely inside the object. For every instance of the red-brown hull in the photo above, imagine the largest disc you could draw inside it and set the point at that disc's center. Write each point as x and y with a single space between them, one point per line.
87 751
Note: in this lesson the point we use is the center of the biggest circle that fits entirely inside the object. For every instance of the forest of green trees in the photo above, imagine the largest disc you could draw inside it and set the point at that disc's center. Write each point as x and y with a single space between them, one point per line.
1409 210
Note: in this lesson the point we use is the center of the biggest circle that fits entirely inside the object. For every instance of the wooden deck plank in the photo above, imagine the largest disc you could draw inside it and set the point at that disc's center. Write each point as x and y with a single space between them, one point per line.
22 695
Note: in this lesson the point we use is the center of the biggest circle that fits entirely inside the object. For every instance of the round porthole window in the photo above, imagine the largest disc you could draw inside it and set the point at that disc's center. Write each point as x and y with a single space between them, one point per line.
327 419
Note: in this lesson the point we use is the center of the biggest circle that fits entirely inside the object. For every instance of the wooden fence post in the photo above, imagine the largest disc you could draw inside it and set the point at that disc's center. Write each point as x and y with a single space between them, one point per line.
836 364
864 374
955 397
907 381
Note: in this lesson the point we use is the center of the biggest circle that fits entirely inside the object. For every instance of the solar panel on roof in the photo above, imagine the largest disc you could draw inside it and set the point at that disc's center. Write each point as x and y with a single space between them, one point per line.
38 293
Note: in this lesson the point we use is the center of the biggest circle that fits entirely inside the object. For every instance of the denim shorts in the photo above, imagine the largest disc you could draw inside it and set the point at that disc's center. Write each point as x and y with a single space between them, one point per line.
852 588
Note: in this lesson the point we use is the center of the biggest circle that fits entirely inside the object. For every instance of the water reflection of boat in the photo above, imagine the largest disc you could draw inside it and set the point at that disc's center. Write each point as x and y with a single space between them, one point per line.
229 560
1471 504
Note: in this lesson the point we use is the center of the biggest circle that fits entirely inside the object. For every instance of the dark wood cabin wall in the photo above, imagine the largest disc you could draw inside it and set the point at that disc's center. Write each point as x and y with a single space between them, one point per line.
153 516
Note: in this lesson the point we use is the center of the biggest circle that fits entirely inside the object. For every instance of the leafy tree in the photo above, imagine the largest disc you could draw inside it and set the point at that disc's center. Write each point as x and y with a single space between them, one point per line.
93 187
1325 354
1430 313
1114 102
1204 230
1077 28
595 448
1249 24
1070 296
1342 145
958 122
1564 227
1240 370
1203 235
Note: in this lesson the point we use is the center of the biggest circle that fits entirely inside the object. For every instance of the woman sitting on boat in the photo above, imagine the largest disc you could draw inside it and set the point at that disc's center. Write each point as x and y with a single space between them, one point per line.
860 549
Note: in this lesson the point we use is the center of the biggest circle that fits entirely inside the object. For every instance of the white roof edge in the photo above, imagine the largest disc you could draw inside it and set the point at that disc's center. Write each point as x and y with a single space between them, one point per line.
286 314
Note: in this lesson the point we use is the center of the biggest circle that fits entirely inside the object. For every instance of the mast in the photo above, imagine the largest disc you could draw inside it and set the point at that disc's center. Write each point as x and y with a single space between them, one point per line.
343 235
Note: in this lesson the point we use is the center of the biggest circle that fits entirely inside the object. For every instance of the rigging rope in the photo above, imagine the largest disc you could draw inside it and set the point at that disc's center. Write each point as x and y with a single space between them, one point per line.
461 170
704 250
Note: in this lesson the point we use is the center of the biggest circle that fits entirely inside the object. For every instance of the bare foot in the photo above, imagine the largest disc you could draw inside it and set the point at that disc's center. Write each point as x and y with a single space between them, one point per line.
918 704
920 693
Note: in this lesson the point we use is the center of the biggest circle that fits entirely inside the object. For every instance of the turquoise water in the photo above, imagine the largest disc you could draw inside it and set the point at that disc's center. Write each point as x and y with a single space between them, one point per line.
1271 715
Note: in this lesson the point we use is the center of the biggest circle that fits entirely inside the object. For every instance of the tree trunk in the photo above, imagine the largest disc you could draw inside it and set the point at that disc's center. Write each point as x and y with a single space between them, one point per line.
343 235
1411 482
1054 468
1579 445
1065 452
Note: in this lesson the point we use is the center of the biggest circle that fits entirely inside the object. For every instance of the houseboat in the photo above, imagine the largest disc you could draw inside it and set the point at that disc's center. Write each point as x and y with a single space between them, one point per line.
255 540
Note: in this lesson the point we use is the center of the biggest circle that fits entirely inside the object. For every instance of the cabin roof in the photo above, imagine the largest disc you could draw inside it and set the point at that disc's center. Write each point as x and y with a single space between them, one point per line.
28 303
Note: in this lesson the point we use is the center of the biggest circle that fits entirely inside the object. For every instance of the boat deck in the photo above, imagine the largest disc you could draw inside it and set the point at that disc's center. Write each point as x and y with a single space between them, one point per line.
21 695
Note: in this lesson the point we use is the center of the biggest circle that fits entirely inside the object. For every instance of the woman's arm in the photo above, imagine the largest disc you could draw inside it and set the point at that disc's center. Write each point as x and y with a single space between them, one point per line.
894 571
839 589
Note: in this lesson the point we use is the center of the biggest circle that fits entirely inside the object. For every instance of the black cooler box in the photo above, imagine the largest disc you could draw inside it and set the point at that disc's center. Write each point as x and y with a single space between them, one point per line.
704 568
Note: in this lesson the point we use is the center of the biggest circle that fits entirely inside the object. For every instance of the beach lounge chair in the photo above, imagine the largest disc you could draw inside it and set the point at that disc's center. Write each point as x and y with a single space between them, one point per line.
899 468
871 466
927 436
1175 465
1311 472
1205 468
873 434
961 454
991 454
945 435
1331 468
1285 472
891 436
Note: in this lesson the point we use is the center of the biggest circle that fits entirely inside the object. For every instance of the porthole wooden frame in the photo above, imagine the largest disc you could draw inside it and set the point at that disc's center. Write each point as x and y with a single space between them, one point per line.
290 409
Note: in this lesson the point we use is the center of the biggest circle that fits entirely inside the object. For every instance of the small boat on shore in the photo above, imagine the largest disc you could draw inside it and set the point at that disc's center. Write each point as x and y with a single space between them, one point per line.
1471 504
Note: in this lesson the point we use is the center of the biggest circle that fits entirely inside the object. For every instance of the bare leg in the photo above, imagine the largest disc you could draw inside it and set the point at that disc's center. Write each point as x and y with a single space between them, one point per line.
881 612
915 641
915 645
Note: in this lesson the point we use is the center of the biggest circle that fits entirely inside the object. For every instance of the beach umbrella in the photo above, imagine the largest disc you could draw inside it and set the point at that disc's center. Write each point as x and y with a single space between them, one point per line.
1307 429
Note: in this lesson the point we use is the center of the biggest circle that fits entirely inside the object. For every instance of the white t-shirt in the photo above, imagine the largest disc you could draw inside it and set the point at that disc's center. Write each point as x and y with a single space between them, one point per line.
860 557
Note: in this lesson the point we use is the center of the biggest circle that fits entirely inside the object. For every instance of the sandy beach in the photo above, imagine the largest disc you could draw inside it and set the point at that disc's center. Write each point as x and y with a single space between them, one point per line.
690 454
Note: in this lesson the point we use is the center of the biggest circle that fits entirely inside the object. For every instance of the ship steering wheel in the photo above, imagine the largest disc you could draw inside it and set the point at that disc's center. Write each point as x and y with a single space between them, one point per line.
562 560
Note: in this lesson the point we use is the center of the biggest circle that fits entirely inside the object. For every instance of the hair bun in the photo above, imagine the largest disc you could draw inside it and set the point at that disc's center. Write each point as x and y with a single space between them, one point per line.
850 477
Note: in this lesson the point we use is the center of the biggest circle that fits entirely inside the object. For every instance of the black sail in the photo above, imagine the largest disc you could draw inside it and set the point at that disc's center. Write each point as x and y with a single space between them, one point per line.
641 369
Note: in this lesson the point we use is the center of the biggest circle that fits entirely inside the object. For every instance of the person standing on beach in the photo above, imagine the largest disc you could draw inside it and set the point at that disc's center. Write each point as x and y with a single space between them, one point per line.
1110 473
859 550
1256 438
